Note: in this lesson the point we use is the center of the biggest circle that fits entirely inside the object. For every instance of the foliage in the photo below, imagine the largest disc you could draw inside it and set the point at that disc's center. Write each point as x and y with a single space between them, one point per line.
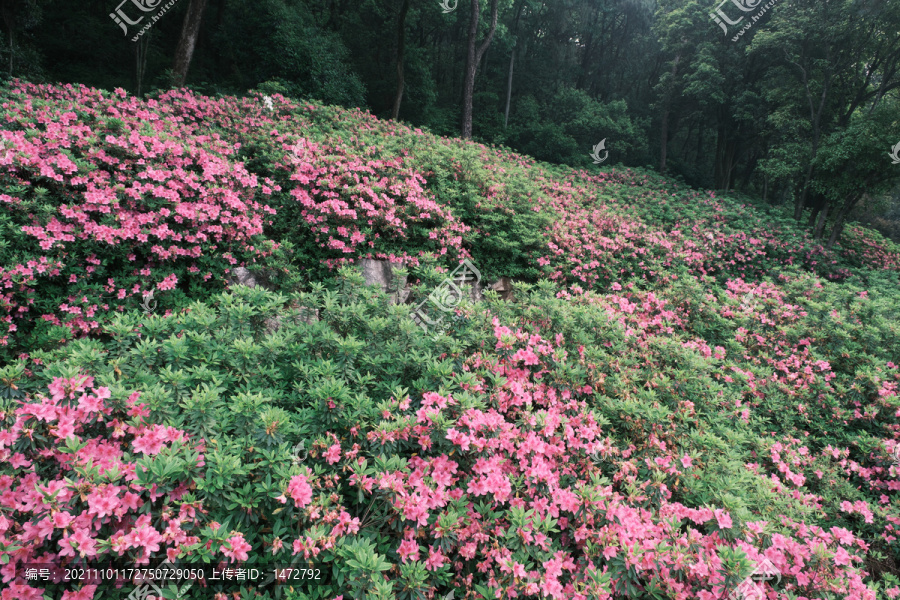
564 130
600 446
851 162
289 47
685 384
170 194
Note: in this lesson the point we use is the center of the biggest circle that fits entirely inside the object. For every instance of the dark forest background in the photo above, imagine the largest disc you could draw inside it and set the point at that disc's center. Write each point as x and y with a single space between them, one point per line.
801 110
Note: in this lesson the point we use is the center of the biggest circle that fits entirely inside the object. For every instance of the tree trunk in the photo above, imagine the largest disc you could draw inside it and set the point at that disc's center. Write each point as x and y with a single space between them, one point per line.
836 232
663 140
512 58
749 169
473 57
9 19
820 222
190 30
848 206
469 81
800 202
840 219
717 157
140 49
588 51
699 145
585 61
724 160
817 208
401 44
815 117
664 125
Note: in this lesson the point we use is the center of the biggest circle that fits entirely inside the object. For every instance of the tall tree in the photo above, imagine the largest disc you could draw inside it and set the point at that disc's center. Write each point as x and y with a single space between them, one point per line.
667 92
830 63
512 59
473 57
9 19
190 30
677 29
140 50
401 45
21 19
852 163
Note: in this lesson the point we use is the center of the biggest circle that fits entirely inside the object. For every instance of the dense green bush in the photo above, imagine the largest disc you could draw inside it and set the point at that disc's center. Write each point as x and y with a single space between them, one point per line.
686 410
309 61
683 387
570 124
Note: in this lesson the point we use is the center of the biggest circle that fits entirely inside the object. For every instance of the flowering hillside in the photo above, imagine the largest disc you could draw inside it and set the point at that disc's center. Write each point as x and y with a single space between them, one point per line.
684 389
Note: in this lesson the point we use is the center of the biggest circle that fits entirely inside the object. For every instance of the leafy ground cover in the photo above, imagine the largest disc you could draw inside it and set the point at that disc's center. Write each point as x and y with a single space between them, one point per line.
684 386
108 197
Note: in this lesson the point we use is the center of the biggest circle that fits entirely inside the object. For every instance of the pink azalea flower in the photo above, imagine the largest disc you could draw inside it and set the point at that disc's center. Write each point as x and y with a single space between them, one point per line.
333 454
722 518
62 519
842 557
236 548
300 490
408 550
435 560
85 593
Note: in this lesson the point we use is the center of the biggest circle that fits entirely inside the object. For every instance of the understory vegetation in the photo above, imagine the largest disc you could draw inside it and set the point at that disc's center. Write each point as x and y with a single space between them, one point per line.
683 384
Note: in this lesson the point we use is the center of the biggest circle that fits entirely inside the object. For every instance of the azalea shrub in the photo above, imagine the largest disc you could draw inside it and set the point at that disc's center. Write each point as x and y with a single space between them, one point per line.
568 445
107 198
105 201
684 388
86 476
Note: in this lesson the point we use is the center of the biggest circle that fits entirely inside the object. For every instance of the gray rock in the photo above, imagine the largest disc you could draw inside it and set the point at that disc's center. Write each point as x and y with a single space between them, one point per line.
242 276
503 287
381 273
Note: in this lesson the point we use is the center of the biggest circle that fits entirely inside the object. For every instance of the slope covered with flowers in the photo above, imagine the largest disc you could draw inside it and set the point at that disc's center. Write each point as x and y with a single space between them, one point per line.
107 197
683 387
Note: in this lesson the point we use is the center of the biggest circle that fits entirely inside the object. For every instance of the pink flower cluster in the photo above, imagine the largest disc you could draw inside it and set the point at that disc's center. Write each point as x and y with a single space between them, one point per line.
76 495
530 453
360 206
151 192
